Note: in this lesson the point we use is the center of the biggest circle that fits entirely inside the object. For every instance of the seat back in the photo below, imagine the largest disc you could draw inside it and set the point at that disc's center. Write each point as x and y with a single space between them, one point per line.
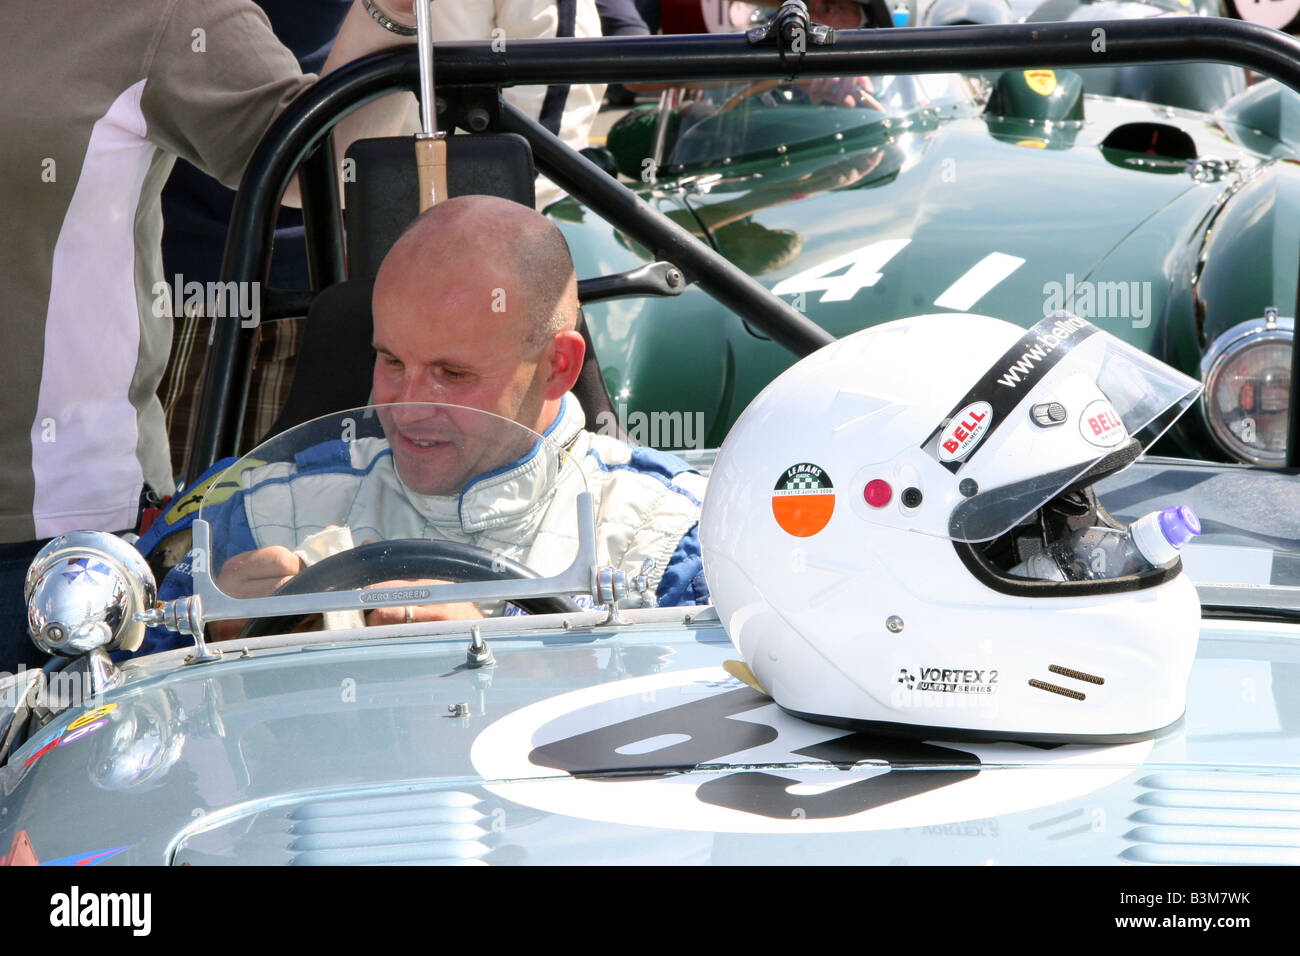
335 360
383 192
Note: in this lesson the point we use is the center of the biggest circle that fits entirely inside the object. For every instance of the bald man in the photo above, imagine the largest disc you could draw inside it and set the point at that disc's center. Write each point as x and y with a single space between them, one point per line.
474 306
477 305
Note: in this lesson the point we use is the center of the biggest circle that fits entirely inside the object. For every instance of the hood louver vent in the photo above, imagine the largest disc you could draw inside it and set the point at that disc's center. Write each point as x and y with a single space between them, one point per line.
1216 818
436 828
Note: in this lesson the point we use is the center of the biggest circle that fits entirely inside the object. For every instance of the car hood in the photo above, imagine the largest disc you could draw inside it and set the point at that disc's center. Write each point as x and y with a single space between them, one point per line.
1046 204
636 744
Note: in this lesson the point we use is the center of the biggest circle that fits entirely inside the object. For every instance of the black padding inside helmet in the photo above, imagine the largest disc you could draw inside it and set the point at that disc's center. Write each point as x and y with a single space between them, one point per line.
1074 508
988 573
1118 460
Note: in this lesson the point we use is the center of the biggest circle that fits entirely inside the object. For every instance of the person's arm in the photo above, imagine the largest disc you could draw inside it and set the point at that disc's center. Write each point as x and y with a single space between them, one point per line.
253 574
218 78
361 35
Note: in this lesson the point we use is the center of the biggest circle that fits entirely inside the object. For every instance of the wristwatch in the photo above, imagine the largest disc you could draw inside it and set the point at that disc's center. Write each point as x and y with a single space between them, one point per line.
392 26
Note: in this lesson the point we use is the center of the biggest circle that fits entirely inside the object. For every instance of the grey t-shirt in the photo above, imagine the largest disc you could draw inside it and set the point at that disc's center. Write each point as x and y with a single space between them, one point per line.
98 101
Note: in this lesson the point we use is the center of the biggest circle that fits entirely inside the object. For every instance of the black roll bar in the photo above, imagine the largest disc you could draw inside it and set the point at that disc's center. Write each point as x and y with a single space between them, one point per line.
676 58
583 179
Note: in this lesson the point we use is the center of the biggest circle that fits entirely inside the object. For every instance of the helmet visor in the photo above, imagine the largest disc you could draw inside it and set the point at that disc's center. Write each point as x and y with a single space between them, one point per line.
1064 405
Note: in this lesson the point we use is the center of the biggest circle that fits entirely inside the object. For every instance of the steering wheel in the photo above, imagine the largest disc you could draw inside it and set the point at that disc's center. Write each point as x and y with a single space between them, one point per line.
407 558
756 88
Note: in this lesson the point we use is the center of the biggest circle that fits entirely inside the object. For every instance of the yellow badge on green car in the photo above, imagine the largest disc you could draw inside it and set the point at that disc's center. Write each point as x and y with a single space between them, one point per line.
1042 82
1032 143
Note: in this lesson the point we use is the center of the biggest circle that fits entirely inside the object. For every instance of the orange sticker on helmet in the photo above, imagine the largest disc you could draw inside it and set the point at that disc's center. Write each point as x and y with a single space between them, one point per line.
803 500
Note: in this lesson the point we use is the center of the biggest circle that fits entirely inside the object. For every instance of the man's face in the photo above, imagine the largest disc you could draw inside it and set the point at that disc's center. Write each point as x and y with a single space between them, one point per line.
453 332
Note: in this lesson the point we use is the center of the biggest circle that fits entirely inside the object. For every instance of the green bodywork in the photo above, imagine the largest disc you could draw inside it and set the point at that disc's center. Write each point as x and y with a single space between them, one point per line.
1191 85
1162 225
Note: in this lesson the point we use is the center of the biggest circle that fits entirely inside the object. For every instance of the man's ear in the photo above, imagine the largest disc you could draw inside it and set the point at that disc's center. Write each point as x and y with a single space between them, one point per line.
567 351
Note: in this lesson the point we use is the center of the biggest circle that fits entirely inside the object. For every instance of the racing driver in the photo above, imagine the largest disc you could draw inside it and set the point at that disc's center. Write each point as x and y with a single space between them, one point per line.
476 306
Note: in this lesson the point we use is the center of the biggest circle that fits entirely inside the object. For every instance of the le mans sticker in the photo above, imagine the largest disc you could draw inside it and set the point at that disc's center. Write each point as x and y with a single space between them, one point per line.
803 500
1042 82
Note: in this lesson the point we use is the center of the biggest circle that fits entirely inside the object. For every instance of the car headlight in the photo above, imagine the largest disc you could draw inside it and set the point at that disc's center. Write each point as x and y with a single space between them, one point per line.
1247 375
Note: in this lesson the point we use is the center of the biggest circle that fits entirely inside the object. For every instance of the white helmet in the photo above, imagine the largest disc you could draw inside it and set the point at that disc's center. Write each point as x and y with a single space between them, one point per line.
865 510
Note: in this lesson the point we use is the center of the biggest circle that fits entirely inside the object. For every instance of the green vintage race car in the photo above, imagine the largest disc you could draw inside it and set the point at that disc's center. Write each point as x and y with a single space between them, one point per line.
1171 228
1193 85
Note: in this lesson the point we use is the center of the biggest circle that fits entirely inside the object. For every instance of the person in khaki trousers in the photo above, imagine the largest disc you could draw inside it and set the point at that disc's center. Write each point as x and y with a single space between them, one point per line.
93 120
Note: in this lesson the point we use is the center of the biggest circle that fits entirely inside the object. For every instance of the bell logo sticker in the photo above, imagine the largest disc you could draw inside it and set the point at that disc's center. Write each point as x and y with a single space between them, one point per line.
803 500
1101 425
1042 82
964 431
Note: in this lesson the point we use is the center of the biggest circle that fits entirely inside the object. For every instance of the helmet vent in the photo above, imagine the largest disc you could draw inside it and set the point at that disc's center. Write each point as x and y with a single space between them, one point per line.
1063 691
1077 675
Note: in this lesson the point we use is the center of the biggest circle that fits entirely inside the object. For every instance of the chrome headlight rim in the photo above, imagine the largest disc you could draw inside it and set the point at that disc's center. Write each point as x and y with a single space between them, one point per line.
129 572
1228 344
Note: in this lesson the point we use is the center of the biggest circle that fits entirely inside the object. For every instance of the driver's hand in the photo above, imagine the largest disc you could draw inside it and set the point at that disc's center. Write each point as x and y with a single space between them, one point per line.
253 574
463 611
402 11
842 91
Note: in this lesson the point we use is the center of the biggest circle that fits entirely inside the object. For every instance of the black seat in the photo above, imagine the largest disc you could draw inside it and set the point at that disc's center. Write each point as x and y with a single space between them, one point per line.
335 359
383 193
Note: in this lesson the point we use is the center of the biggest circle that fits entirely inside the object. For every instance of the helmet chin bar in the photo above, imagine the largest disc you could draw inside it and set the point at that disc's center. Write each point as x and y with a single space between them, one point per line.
989 573
1075 507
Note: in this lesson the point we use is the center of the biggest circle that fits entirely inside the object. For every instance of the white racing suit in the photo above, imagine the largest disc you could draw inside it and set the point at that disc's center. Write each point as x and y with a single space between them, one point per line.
647 505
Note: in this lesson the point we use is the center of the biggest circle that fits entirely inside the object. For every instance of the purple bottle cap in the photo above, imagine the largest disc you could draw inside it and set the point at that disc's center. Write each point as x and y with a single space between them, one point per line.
1179 525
